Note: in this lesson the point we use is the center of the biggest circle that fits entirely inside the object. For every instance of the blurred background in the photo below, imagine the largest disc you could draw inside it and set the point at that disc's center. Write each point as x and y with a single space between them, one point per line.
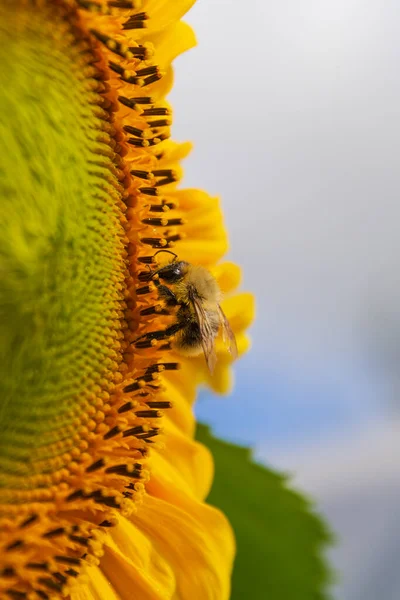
294 106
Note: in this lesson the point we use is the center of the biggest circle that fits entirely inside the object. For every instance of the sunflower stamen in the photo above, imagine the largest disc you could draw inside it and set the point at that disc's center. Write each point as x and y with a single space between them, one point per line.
75 495
124 4
152 78
165 366
146 260
137 21
163 172
150 434
142 174
174 238
68 560
140 383
155 112
134 431
134 25
125 408
159 404
61 578
98 464
138 143
164 207
91 6
141 133
29 521
110 501
107 524
165 347
112 44
159 123
127 75
112 433
54 533
155 242
50 584
159 222
149 414
146 143
72 572
147 289
149 191
132 102
42 566
145 344
15 595
140 16
166 180
79 539
14 545
148 71
125 470
8 572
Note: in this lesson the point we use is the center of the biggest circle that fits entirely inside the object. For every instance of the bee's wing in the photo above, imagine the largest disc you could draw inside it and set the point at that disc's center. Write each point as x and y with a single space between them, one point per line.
227 333
206 333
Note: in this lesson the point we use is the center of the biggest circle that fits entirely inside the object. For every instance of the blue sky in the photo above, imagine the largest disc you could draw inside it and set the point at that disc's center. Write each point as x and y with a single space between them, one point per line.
283 409
294 112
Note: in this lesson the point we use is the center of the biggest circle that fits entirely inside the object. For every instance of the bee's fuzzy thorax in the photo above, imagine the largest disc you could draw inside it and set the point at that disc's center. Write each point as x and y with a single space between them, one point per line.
204 283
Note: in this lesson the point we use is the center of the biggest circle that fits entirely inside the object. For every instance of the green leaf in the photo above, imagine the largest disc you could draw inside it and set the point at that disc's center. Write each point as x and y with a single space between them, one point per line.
280 539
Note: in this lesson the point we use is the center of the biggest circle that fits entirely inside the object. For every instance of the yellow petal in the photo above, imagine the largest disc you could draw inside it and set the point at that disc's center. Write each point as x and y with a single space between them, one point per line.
196 540
161 88
174 152
171 42
163 13
179 389
97 588
228 276
221 381
183 463
190 199
133 565
240 310
203 254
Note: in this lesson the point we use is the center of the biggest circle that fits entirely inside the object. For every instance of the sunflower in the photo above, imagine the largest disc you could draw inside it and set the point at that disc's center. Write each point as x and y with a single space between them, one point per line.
102 485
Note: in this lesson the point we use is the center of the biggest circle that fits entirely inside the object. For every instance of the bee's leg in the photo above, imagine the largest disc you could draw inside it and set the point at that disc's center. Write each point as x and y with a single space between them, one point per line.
166 294
168 298
161 334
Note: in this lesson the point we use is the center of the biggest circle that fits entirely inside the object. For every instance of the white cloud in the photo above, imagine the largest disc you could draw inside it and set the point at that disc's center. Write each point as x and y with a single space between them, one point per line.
361 459
355 479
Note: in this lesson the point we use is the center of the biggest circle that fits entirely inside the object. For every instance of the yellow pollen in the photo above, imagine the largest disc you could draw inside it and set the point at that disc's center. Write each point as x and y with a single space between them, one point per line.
146 134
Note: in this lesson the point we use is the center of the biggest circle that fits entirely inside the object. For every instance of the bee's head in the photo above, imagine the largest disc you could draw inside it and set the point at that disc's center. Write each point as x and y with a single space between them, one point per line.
173 272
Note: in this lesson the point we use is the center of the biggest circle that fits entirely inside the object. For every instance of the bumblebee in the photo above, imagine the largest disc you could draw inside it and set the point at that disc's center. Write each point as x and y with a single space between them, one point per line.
196 295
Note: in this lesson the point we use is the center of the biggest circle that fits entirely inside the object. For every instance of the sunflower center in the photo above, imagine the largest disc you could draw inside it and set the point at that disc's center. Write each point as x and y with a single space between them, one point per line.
62 299
61 245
